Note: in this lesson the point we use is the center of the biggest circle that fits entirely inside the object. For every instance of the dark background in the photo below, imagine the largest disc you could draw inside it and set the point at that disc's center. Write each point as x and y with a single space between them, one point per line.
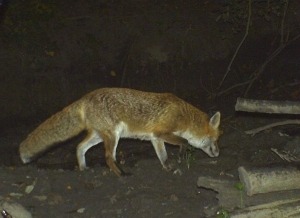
53 52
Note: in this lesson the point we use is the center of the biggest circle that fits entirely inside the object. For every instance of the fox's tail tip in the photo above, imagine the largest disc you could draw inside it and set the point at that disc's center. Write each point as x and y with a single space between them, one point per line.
25 158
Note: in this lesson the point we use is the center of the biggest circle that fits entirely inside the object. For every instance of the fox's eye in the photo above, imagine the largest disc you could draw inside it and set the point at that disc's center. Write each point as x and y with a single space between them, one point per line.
206 143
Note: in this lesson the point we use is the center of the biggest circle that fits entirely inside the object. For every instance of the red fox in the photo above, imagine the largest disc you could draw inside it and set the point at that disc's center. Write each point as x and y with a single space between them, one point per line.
109 114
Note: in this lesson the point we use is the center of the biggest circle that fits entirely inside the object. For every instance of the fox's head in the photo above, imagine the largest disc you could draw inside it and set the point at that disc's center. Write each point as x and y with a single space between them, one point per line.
207 141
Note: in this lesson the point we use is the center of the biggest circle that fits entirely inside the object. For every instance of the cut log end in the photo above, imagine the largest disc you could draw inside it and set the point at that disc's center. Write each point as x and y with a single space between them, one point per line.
264 180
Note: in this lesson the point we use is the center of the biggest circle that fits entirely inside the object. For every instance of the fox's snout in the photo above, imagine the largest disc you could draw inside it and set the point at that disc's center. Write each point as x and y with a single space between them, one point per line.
212 150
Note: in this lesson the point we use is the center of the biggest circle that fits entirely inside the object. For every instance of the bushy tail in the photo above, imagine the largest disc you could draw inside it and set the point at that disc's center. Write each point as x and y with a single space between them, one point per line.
60 127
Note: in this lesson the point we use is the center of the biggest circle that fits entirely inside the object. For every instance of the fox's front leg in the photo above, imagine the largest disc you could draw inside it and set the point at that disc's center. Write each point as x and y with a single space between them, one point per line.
175 140
160 149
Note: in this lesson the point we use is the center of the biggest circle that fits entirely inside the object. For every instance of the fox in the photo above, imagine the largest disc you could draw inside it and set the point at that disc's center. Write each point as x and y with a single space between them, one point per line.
108 114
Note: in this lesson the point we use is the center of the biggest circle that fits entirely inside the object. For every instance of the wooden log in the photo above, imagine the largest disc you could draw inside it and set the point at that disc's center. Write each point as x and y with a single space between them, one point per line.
264 180
265 106
230 198
277 209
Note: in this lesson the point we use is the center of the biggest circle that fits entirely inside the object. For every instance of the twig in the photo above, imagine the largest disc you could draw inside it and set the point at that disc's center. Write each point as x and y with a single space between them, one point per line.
285 155
284 86
283 44
125 63
239 46
259 129
282 22
232 87
260 70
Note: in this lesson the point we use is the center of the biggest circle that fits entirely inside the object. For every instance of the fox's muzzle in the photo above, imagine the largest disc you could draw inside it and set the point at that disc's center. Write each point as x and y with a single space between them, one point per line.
211 150
214 150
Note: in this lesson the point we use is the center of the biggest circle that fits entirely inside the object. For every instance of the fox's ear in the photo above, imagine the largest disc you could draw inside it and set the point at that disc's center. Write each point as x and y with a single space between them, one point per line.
214 121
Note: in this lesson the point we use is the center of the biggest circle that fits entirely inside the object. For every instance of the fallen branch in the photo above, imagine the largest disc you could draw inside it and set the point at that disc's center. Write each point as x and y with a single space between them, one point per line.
259 129
230 198
277 209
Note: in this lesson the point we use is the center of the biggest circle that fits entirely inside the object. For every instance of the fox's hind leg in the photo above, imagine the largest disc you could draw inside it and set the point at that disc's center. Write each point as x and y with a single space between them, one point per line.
90 140
110 144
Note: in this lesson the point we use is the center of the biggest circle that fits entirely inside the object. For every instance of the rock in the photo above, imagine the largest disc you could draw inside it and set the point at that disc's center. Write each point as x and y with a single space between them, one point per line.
16 210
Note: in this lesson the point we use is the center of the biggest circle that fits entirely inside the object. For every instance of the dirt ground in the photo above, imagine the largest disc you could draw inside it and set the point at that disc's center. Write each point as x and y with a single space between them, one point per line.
169 46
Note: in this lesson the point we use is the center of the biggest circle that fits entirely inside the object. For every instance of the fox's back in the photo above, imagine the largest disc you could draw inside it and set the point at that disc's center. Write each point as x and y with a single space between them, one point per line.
110 106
